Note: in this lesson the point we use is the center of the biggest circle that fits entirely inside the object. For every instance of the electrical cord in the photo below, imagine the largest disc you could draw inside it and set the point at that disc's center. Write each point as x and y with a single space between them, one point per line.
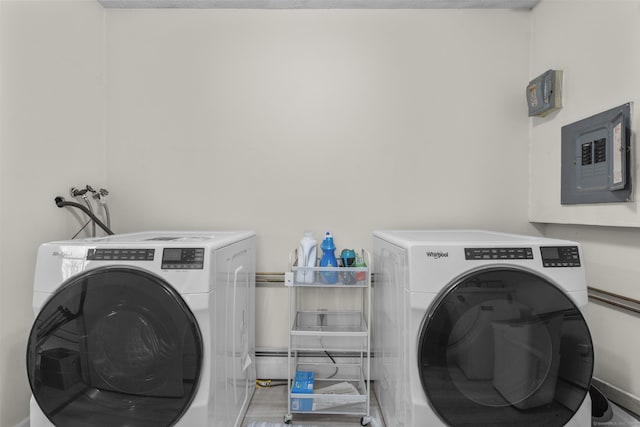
80 231
89 189
107 214
93 224
334 362
260 383
61 202
82 193
322 317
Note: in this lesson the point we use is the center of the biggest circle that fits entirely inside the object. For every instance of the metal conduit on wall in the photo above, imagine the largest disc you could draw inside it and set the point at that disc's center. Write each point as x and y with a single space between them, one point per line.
615 300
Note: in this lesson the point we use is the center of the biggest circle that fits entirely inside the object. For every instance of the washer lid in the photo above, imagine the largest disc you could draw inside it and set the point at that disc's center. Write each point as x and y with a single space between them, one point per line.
504 347
114 346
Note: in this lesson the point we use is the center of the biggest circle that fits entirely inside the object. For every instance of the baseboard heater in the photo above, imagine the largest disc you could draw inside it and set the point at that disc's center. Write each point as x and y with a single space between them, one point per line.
272 364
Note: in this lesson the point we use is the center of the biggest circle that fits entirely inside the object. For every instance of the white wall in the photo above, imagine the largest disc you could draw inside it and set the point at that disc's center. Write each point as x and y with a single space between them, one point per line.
52 82
596 44
339 120
334 120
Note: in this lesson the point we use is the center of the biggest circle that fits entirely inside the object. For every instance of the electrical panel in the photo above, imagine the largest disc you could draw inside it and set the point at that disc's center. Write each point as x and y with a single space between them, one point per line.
596 158
544 93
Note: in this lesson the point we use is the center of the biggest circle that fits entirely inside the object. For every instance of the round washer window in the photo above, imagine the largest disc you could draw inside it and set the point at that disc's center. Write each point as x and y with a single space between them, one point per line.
114 346
505 347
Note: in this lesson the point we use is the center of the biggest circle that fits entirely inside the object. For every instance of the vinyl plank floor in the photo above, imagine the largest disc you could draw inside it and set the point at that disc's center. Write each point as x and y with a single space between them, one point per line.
270 404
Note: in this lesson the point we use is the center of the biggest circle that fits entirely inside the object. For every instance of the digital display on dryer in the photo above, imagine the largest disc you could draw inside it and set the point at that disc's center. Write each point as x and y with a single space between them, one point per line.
183 258
172 255
550 253
560 256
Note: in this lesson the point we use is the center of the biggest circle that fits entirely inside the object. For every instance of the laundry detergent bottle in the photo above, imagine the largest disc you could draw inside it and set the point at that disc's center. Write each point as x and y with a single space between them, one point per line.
307 254
328 260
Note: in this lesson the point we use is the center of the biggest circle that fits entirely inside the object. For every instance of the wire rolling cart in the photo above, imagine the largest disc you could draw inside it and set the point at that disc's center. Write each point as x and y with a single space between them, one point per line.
329 340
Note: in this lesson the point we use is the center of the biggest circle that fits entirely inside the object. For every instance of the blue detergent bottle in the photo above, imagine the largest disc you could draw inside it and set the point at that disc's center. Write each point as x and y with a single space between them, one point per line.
328 260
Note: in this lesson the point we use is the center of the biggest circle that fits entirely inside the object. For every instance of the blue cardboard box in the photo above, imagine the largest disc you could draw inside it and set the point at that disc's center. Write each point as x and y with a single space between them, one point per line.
303 383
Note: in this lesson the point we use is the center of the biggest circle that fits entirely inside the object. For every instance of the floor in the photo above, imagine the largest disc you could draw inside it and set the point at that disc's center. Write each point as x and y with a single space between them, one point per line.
270 404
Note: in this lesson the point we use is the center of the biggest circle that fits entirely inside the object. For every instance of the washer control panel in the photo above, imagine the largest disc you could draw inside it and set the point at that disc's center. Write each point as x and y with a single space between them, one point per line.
497 253
120 254
183 258
560 256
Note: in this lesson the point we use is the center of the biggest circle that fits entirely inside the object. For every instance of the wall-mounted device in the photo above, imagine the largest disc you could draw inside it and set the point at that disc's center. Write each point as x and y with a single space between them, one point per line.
544 93
596 158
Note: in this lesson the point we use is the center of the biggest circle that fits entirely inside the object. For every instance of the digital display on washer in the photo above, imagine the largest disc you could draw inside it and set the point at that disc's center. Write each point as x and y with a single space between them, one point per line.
497 253
560 256
183 258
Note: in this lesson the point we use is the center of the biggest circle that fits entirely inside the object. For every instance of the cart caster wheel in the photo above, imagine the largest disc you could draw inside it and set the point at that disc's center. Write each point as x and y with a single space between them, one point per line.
364 421
287 419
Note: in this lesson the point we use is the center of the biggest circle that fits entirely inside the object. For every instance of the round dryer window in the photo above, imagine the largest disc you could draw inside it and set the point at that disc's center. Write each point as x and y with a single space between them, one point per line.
114 346
505 347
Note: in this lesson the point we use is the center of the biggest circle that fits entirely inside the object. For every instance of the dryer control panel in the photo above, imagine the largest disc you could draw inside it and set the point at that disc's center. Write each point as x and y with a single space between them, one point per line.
552 256
183 258
497 253
560 256
120 254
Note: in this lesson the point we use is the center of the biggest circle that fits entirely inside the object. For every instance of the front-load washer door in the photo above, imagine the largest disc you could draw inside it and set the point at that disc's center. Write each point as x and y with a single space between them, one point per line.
114 346
505 347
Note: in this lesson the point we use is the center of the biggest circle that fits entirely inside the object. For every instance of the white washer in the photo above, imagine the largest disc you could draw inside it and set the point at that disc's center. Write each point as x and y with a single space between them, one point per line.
144 329
475 328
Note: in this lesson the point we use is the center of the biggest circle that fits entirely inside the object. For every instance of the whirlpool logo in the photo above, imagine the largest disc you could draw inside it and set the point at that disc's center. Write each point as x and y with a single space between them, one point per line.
437 254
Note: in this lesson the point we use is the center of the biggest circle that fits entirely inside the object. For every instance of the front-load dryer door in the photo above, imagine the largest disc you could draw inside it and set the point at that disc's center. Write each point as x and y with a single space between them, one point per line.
505 347
114 346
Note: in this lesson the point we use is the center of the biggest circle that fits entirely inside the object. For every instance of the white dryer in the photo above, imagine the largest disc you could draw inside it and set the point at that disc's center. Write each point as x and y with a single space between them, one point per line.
475 328
144 329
